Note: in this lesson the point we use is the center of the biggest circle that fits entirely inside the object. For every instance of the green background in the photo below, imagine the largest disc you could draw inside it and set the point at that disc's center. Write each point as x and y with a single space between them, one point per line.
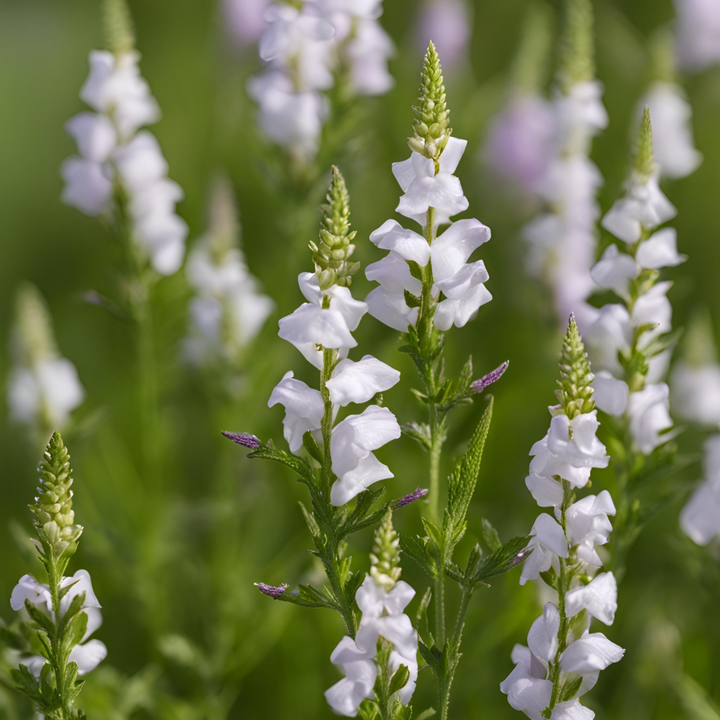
173 556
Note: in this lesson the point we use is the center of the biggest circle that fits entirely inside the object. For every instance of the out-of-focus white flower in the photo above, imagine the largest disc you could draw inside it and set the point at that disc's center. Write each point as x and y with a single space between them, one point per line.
695 392
649 417
112 150
611 395
698 34
245 19
673 143
614 271
608 332
448 24
700 518
520 141
353 442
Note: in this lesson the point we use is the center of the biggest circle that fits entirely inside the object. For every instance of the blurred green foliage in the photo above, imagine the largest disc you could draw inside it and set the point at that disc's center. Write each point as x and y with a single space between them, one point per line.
174 554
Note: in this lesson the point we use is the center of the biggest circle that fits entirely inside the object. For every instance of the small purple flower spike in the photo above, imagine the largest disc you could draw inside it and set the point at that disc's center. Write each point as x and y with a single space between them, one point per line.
484 382
272 591
244 439
412 497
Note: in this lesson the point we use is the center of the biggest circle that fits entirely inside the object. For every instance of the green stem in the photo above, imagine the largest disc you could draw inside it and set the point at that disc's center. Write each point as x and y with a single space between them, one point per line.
59 650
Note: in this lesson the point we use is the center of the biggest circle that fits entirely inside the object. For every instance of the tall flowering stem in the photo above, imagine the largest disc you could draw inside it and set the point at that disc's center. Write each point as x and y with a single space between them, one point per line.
563 658
427 284
631 341
65 611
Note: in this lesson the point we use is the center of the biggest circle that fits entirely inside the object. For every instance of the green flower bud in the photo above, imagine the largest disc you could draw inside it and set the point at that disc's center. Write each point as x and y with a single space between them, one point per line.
33 340
576 390
431 130
385 556
54 515
644 163
119 31
577 62
529 72
332 252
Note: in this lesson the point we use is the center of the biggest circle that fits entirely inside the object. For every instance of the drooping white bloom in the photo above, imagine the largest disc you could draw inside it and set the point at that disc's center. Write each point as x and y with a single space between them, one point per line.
88 654
304 409
113 151
358 382
611 395
589 654
547 542
588 525
599 598
575 442
353 441
700 518
673 144
447 23
698 34
649 417
382 616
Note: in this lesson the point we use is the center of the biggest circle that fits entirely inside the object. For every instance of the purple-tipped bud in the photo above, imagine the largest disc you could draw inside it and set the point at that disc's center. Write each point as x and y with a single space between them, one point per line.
271 590
412 497
522 556
479 385
244 439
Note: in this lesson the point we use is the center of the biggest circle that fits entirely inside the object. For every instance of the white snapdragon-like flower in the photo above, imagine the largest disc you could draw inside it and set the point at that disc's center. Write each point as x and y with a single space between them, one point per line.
611 395
88 654
673 143
649 417
382 616
353 441
588 525
304 409
547 542
113 151
698 34
700 518
598 597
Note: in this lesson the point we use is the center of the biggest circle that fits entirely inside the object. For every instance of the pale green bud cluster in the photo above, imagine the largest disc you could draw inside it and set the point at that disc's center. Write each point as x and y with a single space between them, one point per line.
431 127
34 340
53 506
332 252
119 30
578 45
662 50
576 390
223 220
385 555
644 163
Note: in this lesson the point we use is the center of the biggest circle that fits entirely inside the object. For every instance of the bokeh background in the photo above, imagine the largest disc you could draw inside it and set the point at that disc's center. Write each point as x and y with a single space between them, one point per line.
174 555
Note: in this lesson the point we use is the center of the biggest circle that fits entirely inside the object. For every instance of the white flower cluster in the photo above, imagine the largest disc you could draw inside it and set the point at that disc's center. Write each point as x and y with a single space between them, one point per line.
700 518
619 328
229 308
461 283
305 45
562 240
43 387
673 142
88 654
382 617
113 153
325 323
566 455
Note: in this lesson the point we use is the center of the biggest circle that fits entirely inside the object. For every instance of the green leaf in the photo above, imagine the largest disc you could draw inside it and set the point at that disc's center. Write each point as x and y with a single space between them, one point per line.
433 658
416 549
40 618
77 628
512 554
425 714
399 679
26 683
356 520
490 536
298 465
310 597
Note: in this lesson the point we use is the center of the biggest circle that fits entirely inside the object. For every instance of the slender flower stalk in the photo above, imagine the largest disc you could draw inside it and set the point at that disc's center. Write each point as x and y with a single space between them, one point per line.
65 611
631 341
562 659
427 284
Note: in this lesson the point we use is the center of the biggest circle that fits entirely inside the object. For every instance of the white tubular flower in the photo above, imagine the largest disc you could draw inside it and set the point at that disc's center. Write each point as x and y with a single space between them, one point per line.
588 525
571 710
112 151
644 206
695 392
599 598
358 382
660 250
424 189
611 395
614 271
353 442
574 441
698 34
649 417
590 654
28 588
548 542
700 518
672 131
608 332
387 302
360 672
304 409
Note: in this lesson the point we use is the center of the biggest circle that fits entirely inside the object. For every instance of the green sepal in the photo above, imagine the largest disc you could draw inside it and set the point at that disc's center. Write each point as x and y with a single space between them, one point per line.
412 301
570 689
310 444
399 679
